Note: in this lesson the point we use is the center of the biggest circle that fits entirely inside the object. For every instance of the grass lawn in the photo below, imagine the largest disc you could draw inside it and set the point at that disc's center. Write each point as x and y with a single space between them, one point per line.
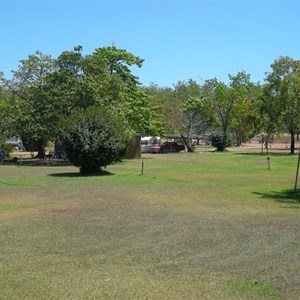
194 226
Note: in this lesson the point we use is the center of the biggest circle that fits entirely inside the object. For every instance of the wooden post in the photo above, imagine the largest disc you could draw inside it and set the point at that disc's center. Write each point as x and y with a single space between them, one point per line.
297 172
142 173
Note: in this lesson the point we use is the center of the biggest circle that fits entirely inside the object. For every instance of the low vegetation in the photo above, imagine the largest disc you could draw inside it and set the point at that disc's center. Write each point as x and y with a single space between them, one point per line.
95 138
194 226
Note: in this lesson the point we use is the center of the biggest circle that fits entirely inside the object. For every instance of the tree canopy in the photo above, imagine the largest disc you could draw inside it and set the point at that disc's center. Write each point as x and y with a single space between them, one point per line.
281 99
48 90
45 92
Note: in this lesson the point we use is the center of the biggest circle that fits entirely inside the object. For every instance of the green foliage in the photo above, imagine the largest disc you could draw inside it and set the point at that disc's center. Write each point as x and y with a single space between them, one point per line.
48 90
255 289
244 113
109 74
231 107
95 138
165 109
30 113
13 206
218 141
281 100
7 148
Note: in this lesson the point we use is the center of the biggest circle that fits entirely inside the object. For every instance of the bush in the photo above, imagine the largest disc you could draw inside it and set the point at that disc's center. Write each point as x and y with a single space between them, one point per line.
95 138
7 149
217 141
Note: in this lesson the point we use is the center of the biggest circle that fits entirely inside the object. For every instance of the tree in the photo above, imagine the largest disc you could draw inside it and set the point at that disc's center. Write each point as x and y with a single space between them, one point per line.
269 112
49 90
244 112
5 114
186 96
231 108
166 111
220 103
31 109
157 98
94 138
173 106
195 120
108 71
282 93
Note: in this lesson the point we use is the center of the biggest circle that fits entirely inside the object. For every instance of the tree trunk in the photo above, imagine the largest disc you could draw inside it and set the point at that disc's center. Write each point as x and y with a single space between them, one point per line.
238 138
292 142
41 149
224 141
186 143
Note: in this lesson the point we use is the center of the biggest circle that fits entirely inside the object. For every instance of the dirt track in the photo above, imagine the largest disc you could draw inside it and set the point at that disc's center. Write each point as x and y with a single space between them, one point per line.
256 147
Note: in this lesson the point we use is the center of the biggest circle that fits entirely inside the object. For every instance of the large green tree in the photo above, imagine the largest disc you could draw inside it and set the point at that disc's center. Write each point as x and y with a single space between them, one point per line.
30 112
282 96
165 107
179 109
4 108
231 107
220 104
188 118
244 113
49 90
108 70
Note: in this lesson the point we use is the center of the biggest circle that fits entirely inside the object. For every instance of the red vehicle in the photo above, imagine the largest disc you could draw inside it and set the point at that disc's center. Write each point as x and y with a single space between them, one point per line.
166 147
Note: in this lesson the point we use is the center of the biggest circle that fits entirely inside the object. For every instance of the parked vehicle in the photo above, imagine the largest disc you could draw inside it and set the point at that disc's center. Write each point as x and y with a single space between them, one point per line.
167 147
149 141
15 142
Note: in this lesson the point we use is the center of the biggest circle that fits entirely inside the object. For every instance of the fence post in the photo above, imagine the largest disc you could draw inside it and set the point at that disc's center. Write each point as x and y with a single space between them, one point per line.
142 173
297 172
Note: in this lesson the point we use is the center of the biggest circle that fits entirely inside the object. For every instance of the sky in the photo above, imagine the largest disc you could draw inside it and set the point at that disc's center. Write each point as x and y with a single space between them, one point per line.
178 39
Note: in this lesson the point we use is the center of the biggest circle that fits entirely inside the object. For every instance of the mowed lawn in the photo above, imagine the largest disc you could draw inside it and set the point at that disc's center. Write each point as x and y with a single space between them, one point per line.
194 226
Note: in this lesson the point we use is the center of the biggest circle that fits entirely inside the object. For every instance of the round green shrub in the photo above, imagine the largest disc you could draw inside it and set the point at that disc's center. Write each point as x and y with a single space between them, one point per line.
94 138
217 140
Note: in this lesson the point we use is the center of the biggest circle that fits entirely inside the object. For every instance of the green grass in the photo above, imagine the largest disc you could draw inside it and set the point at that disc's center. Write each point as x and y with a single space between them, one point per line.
13 206
194 226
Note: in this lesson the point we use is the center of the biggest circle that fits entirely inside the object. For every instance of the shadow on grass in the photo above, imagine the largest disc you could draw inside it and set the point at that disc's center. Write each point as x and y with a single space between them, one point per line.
78 174
265 154
285 196
37 163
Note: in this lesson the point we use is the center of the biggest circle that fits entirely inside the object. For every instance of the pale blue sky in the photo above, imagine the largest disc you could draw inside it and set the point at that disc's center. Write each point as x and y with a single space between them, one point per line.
179 40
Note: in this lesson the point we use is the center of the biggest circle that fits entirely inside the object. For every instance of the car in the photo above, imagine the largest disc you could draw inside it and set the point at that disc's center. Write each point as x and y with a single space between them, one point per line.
167 147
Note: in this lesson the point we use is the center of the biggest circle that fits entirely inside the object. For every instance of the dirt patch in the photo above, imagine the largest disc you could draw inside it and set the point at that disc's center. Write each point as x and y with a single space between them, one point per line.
256 147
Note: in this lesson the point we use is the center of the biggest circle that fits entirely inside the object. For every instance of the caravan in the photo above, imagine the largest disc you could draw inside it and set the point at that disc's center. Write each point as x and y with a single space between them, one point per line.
149 141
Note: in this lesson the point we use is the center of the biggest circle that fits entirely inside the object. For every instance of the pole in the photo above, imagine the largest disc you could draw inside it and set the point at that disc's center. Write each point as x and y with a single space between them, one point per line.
142 173
296 180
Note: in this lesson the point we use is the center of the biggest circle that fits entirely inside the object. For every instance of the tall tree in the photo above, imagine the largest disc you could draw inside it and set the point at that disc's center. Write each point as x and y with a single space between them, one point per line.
191 120
49 90
231 107
158 97
283 93
220 103
32 108
244 113
195 120
108 69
